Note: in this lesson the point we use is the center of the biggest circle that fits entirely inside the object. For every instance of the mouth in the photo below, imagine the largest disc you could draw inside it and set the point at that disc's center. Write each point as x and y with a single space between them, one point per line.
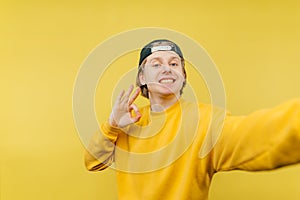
167 80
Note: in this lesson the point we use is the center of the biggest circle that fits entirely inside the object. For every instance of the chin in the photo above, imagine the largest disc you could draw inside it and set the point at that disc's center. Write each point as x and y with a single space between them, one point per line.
166 91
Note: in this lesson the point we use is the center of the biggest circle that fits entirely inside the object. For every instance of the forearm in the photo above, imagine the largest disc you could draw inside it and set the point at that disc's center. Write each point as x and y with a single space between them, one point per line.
264 140
100 152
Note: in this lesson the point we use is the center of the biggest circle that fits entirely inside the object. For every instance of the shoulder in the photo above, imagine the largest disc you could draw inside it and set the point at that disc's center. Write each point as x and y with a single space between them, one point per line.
201 107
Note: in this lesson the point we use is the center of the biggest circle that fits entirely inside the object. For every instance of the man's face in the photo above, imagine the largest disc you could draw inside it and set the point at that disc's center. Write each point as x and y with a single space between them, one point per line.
163 74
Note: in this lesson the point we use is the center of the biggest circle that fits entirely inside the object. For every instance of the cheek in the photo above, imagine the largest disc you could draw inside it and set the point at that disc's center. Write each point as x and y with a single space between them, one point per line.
180 73
149 76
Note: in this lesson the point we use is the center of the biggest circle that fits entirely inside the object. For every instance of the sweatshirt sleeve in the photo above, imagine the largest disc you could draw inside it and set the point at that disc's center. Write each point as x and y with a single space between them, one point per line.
264 140
100 151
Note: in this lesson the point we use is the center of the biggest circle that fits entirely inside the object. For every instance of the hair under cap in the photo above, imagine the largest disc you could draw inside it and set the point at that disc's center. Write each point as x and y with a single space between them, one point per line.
159 45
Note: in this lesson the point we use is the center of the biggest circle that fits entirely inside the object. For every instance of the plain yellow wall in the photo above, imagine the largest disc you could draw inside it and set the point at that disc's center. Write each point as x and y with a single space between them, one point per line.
255 45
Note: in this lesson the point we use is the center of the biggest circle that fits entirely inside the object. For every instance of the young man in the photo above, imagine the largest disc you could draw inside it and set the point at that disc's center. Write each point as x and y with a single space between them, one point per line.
156 148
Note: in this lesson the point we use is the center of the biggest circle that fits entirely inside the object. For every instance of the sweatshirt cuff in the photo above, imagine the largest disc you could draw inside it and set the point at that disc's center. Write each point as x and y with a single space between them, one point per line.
109 131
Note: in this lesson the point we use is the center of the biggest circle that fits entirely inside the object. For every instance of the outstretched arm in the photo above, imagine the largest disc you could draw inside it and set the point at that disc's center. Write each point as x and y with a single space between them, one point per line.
264 140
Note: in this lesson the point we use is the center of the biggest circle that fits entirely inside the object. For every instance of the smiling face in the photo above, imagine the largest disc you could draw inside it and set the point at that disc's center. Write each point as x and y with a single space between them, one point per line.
163 74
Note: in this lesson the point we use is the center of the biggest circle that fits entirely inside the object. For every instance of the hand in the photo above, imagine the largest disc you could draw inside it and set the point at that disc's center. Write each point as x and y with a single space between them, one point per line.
121 114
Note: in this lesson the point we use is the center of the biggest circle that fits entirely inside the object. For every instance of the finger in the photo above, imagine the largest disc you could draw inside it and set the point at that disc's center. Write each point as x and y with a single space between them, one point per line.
134 108
136 118
134 96
120 95
138 115
127 94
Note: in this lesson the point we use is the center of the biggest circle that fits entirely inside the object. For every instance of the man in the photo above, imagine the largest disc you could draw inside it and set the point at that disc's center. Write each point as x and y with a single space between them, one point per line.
156 148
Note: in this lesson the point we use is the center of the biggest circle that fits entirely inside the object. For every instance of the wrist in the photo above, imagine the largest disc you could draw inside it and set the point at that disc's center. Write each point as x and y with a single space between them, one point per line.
112 122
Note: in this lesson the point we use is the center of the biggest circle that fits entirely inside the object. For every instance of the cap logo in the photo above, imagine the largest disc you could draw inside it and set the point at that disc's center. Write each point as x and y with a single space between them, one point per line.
161 48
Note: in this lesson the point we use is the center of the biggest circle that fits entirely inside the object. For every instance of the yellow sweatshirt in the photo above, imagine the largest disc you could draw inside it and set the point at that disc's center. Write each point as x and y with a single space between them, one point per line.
172 155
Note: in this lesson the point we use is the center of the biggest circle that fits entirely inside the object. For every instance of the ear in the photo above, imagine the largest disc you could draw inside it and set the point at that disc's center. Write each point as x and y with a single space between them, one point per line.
142 79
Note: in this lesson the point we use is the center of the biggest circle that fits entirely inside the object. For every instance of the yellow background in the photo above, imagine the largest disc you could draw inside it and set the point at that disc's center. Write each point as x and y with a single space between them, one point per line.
255 45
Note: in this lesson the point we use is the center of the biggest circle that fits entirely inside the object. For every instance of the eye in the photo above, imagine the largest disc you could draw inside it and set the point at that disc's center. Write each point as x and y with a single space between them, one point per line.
156 65
174 64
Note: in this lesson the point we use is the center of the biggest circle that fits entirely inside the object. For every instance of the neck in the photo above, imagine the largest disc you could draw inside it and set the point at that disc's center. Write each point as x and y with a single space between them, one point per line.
161 103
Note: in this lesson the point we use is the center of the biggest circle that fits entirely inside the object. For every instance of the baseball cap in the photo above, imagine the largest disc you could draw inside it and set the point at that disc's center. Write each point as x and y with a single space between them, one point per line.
159 45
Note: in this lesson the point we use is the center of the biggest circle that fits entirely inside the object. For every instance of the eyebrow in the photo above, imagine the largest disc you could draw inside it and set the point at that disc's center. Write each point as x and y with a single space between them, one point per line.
159 58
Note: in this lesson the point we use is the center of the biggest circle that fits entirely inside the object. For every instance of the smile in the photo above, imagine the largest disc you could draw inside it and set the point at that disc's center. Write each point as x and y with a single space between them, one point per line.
167 80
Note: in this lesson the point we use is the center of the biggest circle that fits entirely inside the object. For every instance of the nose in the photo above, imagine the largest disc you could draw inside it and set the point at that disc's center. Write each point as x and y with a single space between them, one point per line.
166 68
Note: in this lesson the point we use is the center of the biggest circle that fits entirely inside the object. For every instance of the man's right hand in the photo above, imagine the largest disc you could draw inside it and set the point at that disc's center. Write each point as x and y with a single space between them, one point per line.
121 115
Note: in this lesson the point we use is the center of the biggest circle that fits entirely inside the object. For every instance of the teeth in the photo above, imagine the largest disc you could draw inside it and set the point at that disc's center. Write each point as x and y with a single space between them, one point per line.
167 81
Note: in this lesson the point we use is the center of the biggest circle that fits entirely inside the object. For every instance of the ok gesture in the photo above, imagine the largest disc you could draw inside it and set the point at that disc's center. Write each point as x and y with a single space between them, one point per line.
121 115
